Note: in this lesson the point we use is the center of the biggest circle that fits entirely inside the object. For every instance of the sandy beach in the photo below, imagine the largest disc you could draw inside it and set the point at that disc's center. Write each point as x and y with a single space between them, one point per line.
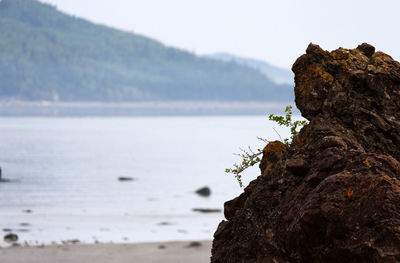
166 252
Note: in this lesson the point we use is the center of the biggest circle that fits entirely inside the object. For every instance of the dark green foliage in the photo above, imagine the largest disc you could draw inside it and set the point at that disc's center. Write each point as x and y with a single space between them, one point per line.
45 55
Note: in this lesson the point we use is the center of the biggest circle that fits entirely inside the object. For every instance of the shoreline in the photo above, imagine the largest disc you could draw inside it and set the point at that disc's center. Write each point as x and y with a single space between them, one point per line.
145 108
152 252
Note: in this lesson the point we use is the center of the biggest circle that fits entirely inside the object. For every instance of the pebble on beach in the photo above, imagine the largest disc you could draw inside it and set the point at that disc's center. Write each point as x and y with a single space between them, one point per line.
194 244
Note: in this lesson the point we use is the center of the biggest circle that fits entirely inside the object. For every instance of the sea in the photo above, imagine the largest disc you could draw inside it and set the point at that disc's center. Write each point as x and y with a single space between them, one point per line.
64 175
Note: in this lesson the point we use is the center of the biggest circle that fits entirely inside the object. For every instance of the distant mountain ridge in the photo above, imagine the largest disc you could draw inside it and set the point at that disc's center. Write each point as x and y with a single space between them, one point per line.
48 55
278 75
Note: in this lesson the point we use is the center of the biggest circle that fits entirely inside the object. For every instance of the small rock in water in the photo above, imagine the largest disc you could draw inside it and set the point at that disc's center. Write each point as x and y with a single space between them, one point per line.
7 229
165 224
122 179
28 211
194 244
207 210
204 191
161 247
10 238
25 224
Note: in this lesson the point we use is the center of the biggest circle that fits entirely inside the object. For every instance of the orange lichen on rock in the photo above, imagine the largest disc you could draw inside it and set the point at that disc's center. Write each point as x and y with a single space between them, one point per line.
366 162
274 150
310 82
350 193
272 153
316 75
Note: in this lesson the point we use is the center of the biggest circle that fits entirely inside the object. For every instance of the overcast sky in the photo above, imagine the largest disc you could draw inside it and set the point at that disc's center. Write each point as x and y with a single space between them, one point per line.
275 31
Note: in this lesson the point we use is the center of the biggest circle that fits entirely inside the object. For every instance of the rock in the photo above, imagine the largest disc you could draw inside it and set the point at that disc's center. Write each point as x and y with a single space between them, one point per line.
204 191
165 223
207 210
333 195
297 166
124 179
28 211
3 180
10 238
194 244
70 242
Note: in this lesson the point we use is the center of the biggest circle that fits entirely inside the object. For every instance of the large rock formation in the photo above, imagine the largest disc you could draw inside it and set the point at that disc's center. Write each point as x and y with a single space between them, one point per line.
334 194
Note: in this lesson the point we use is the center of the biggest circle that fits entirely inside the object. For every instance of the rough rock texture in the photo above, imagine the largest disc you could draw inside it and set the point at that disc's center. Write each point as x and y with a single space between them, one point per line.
334 195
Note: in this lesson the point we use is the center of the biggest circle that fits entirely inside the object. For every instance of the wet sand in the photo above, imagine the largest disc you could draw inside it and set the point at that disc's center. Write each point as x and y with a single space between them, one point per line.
166 252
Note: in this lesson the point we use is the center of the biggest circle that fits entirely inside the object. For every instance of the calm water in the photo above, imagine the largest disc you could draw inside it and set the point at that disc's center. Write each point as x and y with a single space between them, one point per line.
65 170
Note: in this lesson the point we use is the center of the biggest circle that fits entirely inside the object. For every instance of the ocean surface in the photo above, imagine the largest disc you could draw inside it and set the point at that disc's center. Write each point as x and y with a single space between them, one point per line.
64 175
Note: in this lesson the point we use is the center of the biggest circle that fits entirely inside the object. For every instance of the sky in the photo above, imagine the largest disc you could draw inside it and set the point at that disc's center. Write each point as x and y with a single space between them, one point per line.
276 31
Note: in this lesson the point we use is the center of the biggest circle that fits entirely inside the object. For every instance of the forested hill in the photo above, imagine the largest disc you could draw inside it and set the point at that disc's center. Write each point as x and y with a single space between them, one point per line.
48 55
279 75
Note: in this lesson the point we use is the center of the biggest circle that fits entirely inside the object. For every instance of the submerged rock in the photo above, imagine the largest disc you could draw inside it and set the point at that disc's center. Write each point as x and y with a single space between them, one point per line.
334 194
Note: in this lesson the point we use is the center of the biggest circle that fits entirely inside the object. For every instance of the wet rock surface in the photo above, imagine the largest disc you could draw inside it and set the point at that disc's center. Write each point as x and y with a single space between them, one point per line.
334 194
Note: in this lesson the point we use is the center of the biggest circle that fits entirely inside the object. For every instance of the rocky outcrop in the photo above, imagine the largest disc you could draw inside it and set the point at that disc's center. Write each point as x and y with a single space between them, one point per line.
334 194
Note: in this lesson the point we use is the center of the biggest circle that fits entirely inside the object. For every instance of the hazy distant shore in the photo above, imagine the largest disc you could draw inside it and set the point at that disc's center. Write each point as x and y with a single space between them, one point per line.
165 252
155 108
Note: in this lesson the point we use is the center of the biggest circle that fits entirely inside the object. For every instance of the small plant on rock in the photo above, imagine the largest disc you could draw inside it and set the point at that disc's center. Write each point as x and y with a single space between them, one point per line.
288 122
250 157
